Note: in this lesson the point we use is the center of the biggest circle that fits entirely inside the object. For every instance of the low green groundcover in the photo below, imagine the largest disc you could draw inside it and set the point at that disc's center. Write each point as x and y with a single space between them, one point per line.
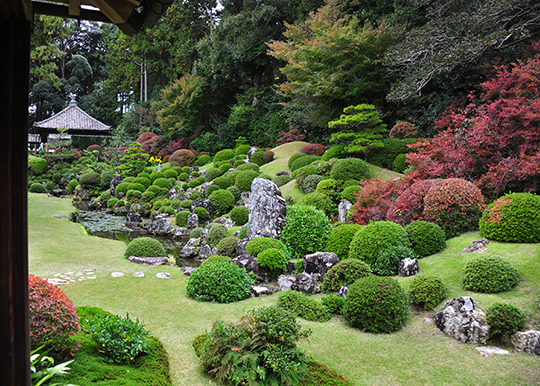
90 369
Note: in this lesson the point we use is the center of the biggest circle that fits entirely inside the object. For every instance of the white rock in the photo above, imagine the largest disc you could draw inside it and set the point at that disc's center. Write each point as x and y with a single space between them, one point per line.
57 281
487 351
163 275
117 274
138 274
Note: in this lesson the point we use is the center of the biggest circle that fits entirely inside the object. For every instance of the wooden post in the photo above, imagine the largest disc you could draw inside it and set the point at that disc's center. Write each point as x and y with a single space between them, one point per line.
14 80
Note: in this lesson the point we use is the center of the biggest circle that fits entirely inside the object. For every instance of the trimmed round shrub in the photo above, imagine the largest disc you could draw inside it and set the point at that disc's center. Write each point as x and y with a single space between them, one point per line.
400 163
211 189
214 258
227 246
195 173
301 174
53 318
223 155
335 151
225 166
220 282
304 161
112 202
36 187
212 173
72 185
268 156
136 186
222 200
222 181
376 304
183 176
375 237
121 188
146 182
349 193
186 204
319 201
238 162
242 149
216 234
235 192
489 274
504 320
133 195
163 183
282 180
274 260
148 196
195 233
427 291
239 215
89 180
195 195
154 176
181 218
153 188
104 196
242 233
250 166
309 184
303 305
37 165
455 204
388 260
343 273
306 230
312 149
203 159
196 182
331 188
144 247
257 157
182 157
334 304
260 244
349 169
513 218
426 238
340 239
244 179
171 173
293 158
202 214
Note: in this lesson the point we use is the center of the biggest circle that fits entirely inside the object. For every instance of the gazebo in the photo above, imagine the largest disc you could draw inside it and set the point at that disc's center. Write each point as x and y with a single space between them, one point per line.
72 118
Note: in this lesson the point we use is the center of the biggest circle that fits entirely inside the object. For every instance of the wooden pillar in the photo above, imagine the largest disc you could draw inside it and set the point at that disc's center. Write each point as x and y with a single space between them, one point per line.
14 80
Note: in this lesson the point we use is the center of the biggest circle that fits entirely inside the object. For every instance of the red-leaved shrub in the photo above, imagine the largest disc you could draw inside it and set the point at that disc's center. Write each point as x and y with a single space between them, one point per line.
291 136
374 199
409 206
312 149
53 318
93 147
154 145
455 204
145 137
171 148
166 158
268 156
403 130
182 157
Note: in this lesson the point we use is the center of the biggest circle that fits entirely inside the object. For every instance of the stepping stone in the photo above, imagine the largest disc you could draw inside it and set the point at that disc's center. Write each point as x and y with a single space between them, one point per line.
487 351
78 274
117 274
57 281
70 273
71 280
88 270
58 274
138 274
92 277
163 275
82 278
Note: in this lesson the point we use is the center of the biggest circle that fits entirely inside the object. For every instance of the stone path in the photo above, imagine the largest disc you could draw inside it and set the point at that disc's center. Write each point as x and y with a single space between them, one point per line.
89 274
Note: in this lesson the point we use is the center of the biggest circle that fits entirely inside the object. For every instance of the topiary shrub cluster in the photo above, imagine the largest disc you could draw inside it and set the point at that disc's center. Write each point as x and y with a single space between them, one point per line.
89 180
426 238
144 247
343 273
303 161
244 180
455 205
489 274
220 282
376 304
427 291
375 237
273 260
37 166
293 158
222 201
239 215
36 187
319 201
53 318
303 306
306 230
349 169
340 239
334 304
388 259
504 320
227 246
260 244
513 218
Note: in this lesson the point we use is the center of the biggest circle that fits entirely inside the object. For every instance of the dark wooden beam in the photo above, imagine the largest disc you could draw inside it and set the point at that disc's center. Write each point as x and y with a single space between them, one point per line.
14 326
63 11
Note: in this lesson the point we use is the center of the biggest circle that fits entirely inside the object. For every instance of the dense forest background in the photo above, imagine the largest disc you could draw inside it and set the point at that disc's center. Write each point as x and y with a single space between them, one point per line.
207 74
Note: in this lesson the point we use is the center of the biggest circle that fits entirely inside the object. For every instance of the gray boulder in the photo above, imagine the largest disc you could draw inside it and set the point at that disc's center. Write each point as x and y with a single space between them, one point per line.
305 283
225 221
116 180
463 320
204 188
179 233
408 267
477 246
250 152
343 291
249 263
190 249
262 290
267 210
241 247
285 282
133 220
192 221
320 263
283 173
204 203
527 341
343 210
158 224
204 253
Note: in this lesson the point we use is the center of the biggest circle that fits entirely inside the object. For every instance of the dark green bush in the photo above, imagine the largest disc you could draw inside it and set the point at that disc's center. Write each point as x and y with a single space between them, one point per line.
244 179
212 173
250 166
216 234
89 180
343 273
153 188
146 182
144 247
340 239
388 260
304 161
257 157
225 166
331 188
37 165
211 189
293 158
335 151
349 193
242 149
371 239
202 214
282 179
504 320
136 186
186 204
72 185
376 304
170 173
181 218
162 183
148 196
195 233
235 192
303 306
426 238
111 202
319 201
227 246
155 175
274 260
427 291
513 218
132 195
219 281
222 181
242 233
239 215
260 244
195 195
36 187
223 155
309 184
400 163
222 200
196 182
183 176
334 304
306 230
349 169
202 160
489 274
238 162
214 258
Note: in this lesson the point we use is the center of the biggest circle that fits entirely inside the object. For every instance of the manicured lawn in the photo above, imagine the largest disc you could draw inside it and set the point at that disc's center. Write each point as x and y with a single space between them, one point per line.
419 354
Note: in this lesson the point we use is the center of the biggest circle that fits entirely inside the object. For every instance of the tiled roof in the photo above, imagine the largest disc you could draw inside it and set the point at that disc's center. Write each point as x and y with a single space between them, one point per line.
75 119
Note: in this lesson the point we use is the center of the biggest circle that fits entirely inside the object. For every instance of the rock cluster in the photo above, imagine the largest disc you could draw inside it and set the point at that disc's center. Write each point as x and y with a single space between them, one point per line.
463 320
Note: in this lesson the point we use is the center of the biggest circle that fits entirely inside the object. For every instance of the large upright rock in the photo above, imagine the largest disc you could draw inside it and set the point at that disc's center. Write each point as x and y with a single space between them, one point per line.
158 224
320 262
463 320
527 341
266 211
343 210
116 180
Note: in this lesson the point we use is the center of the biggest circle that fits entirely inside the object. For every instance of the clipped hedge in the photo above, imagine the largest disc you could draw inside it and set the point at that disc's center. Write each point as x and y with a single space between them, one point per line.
345 272
144 247
349 169
426 238
260 244
340 239
303 306
504 320
388 259
427 291
489 274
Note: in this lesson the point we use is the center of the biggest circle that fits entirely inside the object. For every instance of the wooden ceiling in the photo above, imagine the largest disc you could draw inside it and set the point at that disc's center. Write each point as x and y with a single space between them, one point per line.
129 15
